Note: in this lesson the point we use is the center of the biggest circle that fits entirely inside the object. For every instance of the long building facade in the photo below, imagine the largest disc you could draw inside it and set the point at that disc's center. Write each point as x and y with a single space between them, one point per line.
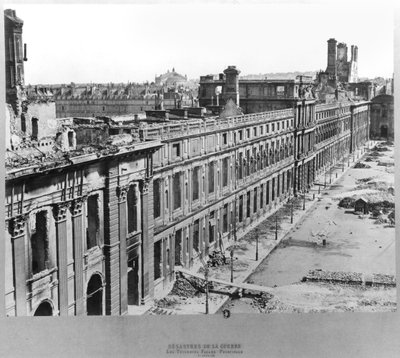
213 179
99 211
101 234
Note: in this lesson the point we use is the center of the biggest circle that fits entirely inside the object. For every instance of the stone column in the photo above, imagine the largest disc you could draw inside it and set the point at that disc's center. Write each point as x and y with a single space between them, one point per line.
77 239
60 217
17 227
123 261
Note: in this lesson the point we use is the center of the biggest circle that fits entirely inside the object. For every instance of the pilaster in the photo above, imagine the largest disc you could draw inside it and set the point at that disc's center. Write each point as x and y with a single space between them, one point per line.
60 217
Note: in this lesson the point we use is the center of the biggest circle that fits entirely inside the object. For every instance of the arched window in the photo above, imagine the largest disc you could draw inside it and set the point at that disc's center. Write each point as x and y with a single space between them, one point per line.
94 296
44 309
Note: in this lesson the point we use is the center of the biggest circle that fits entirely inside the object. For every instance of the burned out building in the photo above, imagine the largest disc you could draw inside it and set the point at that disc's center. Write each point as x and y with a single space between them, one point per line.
100 211
382 117
256 95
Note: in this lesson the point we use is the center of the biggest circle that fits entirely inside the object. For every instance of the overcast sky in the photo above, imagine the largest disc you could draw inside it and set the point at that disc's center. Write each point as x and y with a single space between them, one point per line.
119 43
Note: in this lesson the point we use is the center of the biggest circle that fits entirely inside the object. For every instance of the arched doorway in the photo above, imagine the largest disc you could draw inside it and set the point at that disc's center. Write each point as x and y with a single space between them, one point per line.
384 131
94 296
44 309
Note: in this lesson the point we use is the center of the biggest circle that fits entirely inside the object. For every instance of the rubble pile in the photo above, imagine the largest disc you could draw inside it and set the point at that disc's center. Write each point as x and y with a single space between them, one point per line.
183 288
375 154
365 180
350 278
391 217
166 302
380 220
334 277
361 165
216 258
380 148
347 202
382 279
262 301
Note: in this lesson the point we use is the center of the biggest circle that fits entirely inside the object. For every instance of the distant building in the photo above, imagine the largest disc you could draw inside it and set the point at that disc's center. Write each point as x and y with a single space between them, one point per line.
339 67
252 95
361 205
382 117
171 79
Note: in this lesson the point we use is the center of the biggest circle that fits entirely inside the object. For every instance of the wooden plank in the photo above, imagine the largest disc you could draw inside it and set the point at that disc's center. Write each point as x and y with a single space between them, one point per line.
241 285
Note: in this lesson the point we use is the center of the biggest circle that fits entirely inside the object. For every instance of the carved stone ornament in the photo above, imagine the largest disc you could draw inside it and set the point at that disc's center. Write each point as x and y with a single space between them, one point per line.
122 192
76 206
145 186
17 225
60 211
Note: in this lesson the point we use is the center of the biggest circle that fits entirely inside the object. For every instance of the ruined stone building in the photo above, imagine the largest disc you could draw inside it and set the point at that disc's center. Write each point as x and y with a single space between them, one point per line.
100 211
382 117
255 95
339 66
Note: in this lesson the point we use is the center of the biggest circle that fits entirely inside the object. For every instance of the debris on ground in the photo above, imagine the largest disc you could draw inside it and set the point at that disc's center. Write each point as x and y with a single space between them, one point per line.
166 302
364 180
183 288
350 278
361 165
391 217
262 301
347 202
216 258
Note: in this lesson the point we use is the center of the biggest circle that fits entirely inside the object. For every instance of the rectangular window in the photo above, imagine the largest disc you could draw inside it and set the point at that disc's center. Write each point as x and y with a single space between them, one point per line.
196 233
255 132
277 185
225 170
261 130
132 209
157 259
176 150
248 204
196 183
225 218
277 126
267 193
92 221
157 197
273 127
240 135
248 133
273 189
240 166
267 128
241 208
178 247
176 183
40 243
211 228
255 201
225 139
261 196
211 177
